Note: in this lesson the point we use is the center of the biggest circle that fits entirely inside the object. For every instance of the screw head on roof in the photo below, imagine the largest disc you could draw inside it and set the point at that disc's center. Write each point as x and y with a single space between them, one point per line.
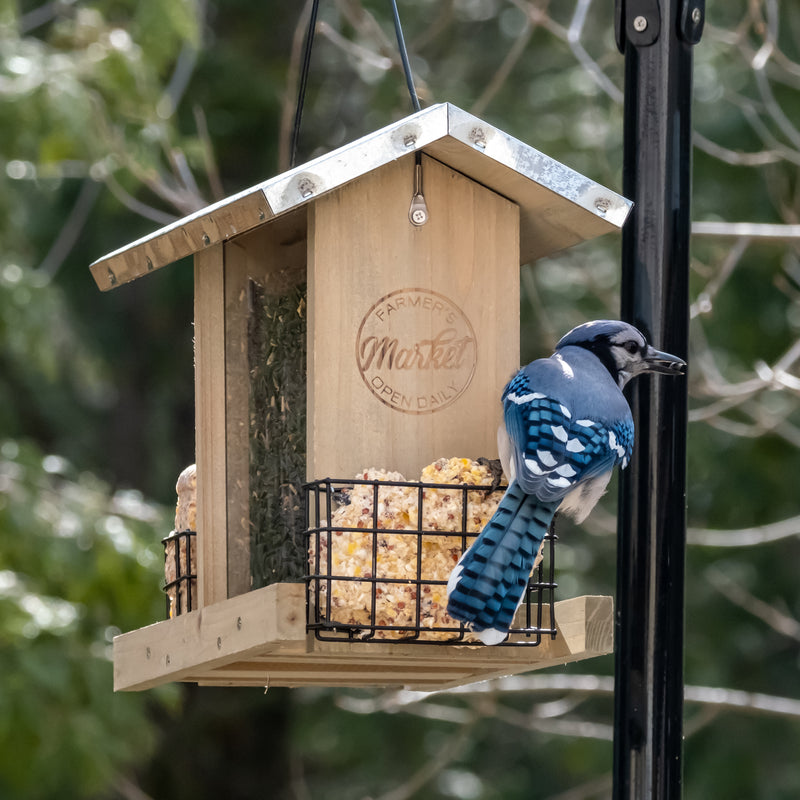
478 138
602 204
306 188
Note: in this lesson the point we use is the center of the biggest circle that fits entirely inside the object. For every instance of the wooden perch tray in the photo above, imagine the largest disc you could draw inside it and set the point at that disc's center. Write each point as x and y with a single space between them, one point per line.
260 639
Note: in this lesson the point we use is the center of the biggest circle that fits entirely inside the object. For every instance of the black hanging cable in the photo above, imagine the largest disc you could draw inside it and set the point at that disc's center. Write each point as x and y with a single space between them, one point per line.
301 93
418 213
401 45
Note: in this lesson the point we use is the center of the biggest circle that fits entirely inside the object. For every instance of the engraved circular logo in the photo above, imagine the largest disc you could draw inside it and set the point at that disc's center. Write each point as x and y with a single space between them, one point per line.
416 351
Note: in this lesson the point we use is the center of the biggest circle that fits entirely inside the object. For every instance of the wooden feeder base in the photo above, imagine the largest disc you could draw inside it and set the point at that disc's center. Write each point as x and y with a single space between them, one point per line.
260 639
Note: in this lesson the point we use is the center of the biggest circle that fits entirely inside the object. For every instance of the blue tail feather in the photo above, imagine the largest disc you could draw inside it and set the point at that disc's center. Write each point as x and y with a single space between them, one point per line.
489 581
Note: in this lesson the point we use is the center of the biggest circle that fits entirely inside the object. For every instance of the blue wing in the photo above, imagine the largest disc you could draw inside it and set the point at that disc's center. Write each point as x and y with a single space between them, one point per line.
554 448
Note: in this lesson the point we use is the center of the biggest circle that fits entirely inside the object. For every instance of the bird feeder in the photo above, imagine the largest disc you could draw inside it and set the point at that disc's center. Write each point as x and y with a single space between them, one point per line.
359 312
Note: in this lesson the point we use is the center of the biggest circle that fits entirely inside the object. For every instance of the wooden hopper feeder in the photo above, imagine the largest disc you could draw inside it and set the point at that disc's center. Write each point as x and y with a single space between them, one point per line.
332 335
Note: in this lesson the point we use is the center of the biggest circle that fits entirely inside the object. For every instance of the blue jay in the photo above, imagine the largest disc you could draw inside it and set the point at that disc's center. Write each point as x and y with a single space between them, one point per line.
567 425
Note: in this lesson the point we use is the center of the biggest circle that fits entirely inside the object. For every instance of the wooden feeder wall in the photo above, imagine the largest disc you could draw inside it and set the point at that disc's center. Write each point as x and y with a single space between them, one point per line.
352 247
394 342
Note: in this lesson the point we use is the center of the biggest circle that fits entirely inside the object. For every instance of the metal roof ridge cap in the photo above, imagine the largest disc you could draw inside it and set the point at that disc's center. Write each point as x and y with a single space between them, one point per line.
595 197
305 182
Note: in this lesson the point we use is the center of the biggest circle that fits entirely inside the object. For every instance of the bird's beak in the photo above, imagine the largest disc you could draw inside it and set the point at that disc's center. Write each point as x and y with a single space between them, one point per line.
663 363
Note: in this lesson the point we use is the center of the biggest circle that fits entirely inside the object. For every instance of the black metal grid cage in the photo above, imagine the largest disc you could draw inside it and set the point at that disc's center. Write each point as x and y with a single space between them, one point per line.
380 554
180 571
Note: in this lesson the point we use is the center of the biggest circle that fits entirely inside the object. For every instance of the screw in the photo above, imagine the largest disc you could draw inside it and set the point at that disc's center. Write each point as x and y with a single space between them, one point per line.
602 204
206 239
167 660
418 216
149 263
640 24
261 214
147 652
306 188
112 278
478 138
697 15
219 643
410 140
238 623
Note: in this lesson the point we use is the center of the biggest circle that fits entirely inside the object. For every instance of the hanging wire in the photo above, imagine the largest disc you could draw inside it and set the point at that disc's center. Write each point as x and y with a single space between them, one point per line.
301 93
401 45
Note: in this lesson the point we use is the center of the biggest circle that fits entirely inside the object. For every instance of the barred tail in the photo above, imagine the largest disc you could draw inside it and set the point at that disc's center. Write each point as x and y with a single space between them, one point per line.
487 585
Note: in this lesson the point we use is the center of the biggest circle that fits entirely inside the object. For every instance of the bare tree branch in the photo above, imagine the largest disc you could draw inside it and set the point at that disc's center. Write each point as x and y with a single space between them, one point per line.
130 791
181 75
578 728
753 116
504 70
353 49
369 29
705 299
209 159
71 230
574 39
718 697
491 699
367 26
437 27
445 755
745 537
539 309
599 787
774 109
748 230
737 594
41 15
715 384
130 202
734 157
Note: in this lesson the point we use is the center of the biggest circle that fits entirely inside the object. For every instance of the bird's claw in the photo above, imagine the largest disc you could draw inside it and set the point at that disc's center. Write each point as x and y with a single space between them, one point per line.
496 468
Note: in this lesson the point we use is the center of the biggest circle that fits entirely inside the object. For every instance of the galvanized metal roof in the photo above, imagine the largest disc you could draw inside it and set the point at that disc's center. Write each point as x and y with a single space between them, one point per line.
558 206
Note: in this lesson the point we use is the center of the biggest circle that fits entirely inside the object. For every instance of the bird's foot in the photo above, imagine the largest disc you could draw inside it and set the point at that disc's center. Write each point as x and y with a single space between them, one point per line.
496 468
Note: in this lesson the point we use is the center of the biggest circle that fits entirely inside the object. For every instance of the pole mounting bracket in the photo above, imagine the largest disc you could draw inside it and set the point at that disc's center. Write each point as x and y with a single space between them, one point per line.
637 22
691 21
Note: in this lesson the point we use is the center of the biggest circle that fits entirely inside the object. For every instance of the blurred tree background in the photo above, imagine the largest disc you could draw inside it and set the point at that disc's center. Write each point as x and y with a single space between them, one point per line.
121 115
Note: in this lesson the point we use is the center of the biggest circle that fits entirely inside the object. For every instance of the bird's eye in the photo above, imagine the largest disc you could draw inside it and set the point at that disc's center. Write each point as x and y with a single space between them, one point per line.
632 347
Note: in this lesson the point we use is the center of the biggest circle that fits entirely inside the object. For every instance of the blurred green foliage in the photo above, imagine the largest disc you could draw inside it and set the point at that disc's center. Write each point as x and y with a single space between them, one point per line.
77 565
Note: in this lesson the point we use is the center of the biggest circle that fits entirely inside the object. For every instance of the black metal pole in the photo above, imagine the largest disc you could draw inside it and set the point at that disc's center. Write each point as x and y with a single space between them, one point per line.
656 37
